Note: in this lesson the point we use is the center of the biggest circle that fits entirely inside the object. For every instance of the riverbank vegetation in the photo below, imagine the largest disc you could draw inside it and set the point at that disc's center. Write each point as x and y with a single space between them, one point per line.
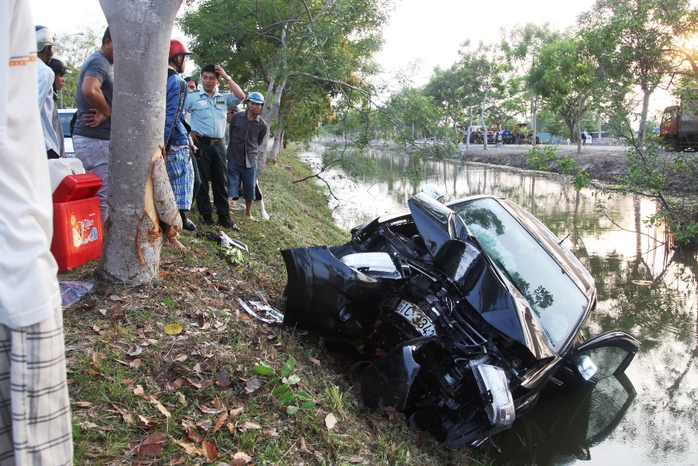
177 372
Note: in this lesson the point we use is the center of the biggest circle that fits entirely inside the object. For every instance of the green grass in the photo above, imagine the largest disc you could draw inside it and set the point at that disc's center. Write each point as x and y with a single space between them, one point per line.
130 380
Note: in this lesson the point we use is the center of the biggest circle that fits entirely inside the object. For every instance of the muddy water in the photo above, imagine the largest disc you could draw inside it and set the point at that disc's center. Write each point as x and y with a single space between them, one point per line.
643 287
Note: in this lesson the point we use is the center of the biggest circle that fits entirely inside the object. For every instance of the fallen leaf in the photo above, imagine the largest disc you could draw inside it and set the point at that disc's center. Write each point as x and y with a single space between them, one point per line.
173 329
247 425
118 311
330 421
134 350
240 458
223 378
135 364
314 361
98 359
181 358
173 386
116 298
252 385
210 451
82 404
189 447
269 432
235 411
301 445
204 424
152 445
206 410
191 432
219 422
355 459
138 391
147 422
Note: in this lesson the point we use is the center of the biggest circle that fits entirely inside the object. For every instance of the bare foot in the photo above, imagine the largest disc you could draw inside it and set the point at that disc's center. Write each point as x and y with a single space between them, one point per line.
175 242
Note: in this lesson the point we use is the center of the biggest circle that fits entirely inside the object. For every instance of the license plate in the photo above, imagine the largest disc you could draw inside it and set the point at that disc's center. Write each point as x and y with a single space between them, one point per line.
416 317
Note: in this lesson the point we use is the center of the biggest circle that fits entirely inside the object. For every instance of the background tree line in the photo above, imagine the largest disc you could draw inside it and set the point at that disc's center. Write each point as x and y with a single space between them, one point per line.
314 61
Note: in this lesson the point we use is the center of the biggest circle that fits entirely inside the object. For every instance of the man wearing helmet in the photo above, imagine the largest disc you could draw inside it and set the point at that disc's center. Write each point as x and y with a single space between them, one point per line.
209 109
60 69
179 163
247 132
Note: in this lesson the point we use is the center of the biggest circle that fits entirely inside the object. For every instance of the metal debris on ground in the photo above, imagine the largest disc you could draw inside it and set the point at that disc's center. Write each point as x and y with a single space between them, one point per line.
275 317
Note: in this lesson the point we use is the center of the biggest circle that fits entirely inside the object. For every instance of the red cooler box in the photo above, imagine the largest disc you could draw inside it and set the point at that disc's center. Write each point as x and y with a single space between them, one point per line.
77 221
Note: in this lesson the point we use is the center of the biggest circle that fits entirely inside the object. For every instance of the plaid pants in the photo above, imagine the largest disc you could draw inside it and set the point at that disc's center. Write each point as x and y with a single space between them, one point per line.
181 174
35 426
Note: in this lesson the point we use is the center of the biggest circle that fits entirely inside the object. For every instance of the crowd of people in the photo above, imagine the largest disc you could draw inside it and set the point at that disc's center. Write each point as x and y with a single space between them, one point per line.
35 422
200 120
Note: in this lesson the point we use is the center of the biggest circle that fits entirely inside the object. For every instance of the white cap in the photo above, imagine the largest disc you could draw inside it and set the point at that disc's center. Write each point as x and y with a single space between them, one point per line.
43 37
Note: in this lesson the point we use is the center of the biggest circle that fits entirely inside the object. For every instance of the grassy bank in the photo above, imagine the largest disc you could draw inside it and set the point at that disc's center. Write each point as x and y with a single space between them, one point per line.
165 373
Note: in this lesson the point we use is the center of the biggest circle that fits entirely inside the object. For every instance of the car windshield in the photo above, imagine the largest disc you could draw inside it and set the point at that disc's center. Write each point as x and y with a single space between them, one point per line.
552 294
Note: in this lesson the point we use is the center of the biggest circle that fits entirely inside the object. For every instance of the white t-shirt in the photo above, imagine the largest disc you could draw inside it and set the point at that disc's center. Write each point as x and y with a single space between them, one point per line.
29 291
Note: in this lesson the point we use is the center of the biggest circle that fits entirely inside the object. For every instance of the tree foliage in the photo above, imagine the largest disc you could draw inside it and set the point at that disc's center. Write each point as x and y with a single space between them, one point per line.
637 43
316 49
73 49
565 76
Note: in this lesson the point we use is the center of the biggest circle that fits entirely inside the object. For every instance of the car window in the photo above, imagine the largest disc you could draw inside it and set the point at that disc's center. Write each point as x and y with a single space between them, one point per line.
65 123
553 296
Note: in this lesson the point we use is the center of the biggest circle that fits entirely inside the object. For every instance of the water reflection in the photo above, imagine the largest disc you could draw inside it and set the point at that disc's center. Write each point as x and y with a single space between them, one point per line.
643 288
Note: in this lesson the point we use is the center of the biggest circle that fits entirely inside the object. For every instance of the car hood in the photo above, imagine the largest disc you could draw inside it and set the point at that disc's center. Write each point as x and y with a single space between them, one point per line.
499 303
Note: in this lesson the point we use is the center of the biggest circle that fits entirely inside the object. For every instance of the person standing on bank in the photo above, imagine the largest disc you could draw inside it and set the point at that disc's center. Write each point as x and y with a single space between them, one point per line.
178 160
93 120
44 47
60 69
208 109
247 132
35 426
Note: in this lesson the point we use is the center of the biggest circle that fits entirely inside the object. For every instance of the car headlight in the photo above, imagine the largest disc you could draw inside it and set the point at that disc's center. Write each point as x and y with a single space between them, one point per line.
494 388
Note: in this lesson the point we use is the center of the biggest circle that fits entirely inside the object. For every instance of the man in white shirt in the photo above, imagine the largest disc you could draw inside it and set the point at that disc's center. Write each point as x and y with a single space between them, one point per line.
35 426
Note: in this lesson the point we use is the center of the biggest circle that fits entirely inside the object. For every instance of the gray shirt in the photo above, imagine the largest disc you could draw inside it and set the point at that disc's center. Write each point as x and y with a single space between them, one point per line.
98 66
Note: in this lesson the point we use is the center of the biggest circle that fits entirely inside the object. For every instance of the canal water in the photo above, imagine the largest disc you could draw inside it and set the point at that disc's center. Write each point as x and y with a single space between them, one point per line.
644 288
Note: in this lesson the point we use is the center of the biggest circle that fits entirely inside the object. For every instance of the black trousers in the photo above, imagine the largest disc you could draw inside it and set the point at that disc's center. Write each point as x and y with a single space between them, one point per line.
213 168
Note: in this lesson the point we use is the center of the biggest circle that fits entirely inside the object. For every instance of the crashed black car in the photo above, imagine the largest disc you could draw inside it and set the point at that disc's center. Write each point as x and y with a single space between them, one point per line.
470 311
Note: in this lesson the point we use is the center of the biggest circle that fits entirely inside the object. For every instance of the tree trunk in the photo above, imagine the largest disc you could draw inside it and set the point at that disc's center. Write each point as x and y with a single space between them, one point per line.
482 115
140 33
269 112
534 115
278 141
642 129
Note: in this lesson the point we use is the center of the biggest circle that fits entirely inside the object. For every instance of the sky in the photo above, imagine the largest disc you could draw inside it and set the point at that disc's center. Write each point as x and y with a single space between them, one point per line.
428 31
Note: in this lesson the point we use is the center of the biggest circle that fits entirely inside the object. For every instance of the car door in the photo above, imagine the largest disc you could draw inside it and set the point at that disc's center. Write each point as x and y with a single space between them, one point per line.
594 360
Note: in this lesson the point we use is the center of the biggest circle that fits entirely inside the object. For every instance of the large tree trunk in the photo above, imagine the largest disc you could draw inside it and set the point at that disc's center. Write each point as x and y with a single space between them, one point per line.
140 32
269 112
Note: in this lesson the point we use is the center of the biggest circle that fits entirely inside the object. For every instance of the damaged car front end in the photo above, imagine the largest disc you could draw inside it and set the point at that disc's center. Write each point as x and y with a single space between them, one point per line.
469 312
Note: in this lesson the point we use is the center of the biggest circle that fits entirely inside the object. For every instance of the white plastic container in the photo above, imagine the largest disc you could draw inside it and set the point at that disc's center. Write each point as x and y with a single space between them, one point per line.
60 168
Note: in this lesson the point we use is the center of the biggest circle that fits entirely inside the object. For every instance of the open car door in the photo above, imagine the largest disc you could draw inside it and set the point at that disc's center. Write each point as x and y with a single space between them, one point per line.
594 360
